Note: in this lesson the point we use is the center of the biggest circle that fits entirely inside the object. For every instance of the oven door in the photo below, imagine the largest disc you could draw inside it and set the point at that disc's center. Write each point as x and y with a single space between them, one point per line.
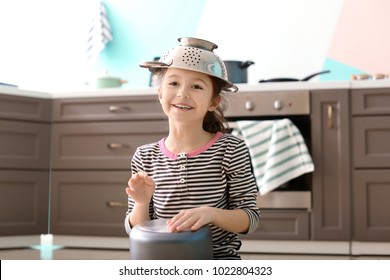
296 193
285 200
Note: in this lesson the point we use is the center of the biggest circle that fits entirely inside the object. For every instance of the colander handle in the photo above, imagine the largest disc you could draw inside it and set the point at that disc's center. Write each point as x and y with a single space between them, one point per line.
198 43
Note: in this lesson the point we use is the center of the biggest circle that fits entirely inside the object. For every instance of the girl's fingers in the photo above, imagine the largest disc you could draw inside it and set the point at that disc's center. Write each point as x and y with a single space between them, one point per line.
149 181
182 221
129 191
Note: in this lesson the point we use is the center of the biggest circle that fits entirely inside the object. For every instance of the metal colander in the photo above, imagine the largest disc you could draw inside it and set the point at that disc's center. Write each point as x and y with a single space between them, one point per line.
196 55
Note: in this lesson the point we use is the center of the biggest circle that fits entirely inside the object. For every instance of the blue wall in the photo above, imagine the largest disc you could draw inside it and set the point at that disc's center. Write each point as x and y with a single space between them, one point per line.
141 36
302 38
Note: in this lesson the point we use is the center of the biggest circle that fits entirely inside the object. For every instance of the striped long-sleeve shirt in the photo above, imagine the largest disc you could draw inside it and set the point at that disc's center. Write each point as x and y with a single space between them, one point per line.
217 175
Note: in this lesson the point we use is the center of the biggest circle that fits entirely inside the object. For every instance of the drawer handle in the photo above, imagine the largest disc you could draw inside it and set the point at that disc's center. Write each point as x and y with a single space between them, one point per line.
114 108
117 146
330 116
116 204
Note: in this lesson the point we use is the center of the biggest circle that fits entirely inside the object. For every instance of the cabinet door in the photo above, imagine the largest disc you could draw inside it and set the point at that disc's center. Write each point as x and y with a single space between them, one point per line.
373 101
89 203
331 177
24 202
99 145
24 145
25 108
371 142
371 189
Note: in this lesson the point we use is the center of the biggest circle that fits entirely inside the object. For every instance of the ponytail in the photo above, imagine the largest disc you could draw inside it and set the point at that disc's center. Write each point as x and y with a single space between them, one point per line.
214 121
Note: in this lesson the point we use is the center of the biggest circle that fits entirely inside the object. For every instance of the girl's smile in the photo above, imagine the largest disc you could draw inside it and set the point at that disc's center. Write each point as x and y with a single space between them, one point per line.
182 106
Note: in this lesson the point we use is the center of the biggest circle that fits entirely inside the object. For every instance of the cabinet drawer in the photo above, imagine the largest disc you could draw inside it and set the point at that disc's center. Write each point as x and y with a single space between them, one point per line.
371 190
112 108
89 203
370 101
24 145
24 201
25 108
371 138
99 145
282 225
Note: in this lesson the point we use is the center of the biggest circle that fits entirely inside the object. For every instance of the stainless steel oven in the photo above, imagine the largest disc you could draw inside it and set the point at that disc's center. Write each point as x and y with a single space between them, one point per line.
273 105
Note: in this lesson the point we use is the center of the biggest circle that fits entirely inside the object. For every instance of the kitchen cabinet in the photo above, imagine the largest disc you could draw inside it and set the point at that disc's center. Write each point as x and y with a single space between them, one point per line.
101 145
280 224
24 164
136 107
87 144
89 202
330 124
93 141
371 164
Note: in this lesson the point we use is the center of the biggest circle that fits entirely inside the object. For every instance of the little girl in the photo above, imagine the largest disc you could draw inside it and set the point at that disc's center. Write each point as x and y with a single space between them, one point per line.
198 174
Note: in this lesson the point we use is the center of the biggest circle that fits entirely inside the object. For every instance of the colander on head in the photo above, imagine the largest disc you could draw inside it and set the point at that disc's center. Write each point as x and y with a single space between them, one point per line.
196 55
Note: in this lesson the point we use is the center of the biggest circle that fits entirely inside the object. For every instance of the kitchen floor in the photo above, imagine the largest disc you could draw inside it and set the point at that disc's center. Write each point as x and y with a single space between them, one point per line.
119 254
112 248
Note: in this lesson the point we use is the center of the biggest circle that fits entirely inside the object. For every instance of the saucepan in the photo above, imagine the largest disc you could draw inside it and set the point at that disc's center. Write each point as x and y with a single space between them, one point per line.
237 70
152 241
293 79
106 81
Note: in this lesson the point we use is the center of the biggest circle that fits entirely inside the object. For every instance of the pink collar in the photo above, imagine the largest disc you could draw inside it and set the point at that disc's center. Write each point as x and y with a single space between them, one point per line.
194 153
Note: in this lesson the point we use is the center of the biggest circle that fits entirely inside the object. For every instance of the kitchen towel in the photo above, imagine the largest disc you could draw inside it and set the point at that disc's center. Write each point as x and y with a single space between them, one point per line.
99 33
278 152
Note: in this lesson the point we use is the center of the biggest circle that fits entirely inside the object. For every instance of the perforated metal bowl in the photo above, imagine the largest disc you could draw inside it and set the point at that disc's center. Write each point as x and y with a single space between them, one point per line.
196 55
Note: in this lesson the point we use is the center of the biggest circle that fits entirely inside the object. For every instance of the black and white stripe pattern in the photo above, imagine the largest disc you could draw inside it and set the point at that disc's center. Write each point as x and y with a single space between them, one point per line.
219 177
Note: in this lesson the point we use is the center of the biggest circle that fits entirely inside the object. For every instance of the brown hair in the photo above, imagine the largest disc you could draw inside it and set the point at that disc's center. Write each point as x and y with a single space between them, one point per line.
214 121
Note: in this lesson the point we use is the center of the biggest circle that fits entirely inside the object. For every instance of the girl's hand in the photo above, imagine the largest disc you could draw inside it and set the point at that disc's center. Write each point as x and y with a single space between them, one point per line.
191 219
141 188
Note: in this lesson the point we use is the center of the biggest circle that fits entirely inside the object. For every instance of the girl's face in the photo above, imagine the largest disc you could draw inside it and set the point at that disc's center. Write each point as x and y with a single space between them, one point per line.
186 96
